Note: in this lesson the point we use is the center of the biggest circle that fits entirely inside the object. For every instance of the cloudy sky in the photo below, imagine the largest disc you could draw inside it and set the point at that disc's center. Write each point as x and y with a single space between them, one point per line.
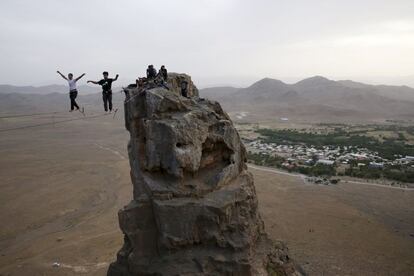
216 41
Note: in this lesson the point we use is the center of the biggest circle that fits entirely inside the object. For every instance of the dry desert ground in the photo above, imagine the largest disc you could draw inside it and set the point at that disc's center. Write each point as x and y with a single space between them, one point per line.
62 185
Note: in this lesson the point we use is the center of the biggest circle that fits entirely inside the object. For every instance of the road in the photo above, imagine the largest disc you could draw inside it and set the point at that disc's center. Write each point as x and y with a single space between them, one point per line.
271 170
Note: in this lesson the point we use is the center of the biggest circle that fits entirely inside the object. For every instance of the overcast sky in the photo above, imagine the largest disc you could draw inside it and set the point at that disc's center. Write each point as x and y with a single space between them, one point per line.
216 41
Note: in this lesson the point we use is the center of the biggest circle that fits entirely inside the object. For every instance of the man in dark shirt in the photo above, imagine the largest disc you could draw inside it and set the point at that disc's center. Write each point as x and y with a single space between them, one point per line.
106 84
151 72
163 73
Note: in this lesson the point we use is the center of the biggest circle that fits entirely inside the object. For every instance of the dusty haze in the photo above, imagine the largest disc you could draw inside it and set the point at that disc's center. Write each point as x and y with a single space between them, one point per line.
231 42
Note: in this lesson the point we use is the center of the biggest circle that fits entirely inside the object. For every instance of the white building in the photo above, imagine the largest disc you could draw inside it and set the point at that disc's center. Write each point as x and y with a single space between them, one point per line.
326 162
376 165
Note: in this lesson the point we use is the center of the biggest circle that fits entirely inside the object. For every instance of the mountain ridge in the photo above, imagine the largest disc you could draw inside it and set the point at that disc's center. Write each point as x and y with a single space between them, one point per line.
316 98
319 97
45 89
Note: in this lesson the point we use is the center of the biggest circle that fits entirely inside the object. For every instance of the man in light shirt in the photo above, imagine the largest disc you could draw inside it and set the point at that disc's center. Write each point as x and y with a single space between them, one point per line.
73 92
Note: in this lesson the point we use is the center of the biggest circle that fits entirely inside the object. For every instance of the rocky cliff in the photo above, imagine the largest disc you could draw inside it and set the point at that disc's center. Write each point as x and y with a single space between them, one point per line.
194 209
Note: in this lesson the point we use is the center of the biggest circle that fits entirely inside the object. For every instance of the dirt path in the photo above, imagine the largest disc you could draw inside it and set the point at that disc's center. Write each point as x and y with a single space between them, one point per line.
117 153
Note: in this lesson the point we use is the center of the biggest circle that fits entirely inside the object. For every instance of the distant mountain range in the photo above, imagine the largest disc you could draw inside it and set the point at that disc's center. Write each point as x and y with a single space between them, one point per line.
21 103
23 99
316 98
48 89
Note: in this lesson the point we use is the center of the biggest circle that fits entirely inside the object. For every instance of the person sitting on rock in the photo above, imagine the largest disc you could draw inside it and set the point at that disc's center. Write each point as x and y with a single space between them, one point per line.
184 88
73 92
162 78
163 73
151 72
106 84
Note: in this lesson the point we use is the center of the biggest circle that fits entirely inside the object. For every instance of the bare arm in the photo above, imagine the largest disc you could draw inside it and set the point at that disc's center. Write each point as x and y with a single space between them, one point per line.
116 77
63 76
90 81
78 78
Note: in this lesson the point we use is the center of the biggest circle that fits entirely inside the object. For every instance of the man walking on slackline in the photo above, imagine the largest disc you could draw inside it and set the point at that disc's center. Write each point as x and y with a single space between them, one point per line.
106 84
73 91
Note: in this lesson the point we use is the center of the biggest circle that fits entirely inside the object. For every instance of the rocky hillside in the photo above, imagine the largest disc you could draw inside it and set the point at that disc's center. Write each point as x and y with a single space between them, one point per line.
194 209
318 98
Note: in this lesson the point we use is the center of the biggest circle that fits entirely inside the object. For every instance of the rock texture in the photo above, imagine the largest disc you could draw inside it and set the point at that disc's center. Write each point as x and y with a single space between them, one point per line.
194 209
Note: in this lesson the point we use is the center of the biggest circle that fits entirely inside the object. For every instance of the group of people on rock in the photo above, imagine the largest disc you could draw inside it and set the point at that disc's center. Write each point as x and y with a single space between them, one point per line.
152 79
152 73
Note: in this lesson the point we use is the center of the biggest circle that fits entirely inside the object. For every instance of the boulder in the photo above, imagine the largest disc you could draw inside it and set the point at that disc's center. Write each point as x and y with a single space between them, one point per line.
194 209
